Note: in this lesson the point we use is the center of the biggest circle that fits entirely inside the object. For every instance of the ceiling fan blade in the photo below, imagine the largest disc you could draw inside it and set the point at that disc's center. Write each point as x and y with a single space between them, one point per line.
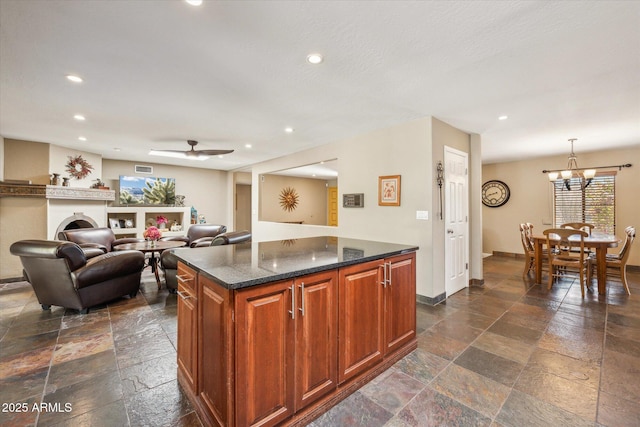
214 152
171 151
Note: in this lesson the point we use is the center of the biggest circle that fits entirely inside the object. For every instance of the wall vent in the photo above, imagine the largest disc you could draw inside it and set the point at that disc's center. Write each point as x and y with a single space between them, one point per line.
144 169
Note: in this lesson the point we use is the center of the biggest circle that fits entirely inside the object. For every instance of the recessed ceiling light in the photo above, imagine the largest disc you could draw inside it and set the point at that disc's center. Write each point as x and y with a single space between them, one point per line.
288 130
116 149
80 117
247 145
194 2
82 138
74 79
503 117
314 58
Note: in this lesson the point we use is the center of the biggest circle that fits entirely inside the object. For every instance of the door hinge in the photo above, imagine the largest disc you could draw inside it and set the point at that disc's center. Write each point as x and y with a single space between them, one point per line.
466 265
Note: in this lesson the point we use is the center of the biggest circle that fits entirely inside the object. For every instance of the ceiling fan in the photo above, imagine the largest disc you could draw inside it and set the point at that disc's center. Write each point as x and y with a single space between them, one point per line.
192 154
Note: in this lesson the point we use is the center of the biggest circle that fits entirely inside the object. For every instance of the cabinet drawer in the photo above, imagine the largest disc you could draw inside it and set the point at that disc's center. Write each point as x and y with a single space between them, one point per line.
187 278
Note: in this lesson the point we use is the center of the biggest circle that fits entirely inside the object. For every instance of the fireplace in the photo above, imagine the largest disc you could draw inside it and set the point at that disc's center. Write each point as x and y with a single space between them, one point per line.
77 220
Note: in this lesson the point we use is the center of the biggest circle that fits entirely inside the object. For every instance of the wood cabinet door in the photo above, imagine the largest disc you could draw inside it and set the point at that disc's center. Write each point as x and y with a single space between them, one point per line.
316 336
400 300
187 335
360 318
265 354
216 351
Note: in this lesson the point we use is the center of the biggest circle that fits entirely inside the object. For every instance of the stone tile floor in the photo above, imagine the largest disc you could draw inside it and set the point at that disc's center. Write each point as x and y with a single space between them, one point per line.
508 353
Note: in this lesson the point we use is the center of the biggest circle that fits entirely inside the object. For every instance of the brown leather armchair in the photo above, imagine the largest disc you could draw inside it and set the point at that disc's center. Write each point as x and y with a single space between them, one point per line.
61 274
95 241
199 234
169 262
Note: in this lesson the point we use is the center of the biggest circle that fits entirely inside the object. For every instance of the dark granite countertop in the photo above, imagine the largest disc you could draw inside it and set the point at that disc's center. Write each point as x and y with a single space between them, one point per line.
250 264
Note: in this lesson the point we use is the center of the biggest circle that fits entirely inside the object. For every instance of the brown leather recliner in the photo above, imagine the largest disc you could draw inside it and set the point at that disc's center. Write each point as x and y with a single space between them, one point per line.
169 262
61 274
95 241
199 234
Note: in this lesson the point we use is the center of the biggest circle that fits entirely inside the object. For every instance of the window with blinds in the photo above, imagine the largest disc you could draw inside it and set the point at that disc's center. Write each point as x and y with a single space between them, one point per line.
595 204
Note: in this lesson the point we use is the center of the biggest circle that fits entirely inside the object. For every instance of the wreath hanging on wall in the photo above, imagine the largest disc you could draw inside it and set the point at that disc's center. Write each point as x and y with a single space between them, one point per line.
78 167
288 199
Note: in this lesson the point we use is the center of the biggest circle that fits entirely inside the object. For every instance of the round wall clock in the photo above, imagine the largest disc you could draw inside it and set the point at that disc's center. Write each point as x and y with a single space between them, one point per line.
495 193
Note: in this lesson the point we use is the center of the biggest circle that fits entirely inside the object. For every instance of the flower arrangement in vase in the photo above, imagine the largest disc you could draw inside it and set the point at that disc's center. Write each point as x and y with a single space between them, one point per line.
152 234
162 221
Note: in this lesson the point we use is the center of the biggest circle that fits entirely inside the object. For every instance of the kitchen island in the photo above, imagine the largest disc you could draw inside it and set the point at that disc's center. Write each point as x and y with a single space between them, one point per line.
275 333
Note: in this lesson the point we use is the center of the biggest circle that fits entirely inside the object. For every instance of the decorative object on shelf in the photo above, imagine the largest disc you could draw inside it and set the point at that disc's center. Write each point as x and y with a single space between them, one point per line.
179 201
389 190
495 193
194 215
114 223
584 175
201 219
175 226
161 221
78 167
55 179
152 234
128 223
289 199
65 182
99 185
440 182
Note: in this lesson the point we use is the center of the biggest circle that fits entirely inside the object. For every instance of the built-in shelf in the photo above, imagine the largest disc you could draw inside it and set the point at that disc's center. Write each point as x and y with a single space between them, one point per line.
129 221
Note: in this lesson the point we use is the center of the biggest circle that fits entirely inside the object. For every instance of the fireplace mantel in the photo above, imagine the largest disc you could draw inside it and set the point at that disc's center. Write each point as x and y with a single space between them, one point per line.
55 192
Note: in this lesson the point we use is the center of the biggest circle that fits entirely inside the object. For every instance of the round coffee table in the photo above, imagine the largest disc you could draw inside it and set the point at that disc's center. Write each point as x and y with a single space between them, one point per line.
147 247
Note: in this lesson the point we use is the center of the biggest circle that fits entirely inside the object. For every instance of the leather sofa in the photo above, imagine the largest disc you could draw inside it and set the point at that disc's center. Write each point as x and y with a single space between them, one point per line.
61 274
169 262
199 234
95 241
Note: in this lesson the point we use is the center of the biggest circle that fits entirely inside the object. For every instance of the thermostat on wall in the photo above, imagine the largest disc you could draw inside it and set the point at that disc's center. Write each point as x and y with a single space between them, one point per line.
353 200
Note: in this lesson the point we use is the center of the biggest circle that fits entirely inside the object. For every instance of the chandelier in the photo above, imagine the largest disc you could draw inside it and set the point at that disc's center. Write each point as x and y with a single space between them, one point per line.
585 175
573 171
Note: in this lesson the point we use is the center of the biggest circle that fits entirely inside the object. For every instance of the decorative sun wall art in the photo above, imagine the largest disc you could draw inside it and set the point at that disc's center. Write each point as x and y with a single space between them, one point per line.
289 199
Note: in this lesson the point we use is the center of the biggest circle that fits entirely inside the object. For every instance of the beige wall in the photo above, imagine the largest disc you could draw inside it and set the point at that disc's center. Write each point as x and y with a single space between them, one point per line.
26 160
312 202
204 189
532 197
407 150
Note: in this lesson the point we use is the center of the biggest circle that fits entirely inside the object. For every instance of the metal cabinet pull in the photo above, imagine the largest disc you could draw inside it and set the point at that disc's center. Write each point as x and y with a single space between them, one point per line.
302 299
184 278
293 302
389 274
384 277
184 295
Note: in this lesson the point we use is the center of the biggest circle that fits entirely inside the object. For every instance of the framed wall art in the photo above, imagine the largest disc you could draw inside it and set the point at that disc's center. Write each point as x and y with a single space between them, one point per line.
389 190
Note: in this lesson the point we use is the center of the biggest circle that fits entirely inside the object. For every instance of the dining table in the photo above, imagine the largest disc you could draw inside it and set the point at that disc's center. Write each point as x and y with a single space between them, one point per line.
599 241
151 247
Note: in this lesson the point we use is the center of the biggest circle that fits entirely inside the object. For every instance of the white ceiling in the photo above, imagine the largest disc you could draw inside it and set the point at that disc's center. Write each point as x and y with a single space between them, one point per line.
230 73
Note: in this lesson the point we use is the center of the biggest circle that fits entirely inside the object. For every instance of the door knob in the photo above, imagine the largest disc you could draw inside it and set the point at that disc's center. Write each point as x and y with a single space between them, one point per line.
449 231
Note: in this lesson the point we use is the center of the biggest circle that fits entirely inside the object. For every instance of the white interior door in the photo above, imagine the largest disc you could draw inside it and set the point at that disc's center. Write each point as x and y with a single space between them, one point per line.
456 164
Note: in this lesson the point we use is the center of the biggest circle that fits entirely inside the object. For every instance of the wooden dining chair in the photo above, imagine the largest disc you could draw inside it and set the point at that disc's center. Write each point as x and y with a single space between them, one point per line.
528 248
619 260
584 226
561 263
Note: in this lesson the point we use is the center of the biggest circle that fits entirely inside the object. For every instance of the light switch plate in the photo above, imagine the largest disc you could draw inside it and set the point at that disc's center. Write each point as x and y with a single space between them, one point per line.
422 215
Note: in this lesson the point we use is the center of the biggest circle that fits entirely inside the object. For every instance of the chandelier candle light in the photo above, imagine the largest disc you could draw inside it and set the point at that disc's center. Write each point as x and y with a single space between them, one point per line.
573 171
